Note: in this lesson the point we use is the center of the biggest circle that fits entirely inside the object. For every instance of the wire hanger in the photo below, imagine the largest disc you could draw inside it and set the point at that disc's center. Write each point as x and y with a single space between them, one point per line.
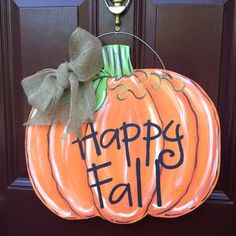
135 36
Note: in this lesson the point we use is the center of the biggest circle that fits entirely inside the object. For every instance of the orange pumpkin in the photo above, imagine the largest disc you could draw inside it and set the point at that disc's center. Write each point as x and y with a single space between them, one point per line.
154 148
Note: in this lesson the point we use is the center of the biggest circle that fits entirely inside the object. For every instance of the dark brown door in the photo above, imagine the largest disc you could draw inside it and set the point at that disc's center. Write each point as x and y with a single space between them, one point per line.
196 38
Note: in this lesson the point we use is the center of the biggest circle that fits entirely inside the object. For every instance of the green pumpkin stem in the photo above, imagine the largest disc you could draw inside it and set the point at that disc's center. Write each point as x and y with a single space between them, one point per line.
116 60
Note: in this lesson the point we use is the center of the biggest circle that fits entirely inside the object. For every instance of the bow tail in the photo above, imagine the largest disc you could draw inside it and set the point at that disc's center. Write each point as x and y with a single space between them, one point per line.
73 117
87 102
82 106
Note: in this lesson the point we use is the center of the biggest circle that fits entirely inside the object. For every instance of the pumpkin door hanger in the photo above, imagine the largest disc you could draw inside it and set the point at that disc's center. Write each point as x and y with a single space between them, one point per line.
153 148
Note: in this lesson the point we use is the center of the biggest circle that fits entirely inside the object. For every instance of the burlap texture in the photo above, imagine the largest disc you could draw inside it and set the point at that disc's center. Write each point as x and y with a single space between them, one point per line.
66 94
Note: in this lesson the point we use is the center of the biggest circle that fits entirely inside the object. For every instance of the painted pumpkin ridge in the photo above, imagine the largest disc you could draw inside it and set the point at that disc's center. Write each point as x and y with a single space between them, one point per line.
33 176
52 174
216 160
195 164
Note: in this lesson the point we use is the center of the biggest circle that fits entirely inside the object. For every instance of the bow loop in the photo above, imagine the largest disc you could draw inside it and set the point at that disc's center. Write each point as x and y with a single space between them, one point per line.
66 94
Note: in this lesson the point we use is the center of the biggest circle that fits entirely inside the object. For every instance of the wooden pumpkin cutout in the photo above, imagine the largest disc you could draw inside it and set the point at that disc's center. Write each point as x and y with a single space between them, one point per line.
154 148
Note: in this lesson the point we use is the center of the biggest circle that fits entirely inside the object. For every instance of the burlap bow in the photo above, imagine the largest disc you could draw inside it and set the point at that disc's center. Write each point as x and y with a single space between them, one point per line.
66 94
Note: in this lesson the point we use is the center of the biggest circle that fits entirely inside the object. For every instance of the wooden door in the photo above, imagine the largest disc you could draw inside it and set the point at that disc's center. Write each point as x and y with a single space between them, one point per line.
196 38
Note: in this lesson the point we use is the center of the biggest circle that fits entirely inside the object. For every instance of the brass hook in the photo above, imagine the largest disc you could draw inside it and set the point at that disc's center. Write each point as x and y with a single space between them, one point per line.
117 9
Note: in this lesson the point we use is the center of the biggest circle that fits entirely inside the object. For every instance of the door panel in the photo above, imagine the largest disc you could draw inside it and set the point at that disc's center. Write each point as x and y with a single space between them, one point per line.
195 38
188 40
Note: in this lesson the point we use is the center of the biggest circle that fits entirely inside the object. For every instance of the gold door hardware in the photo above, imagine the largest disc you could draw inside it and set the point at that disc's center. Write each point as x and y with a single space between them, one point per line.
117 9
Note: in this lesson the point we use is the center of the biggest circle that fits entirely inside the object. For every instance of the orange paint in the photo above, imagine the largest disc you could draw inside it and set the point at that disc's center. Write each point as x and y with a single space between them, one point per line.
63 174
